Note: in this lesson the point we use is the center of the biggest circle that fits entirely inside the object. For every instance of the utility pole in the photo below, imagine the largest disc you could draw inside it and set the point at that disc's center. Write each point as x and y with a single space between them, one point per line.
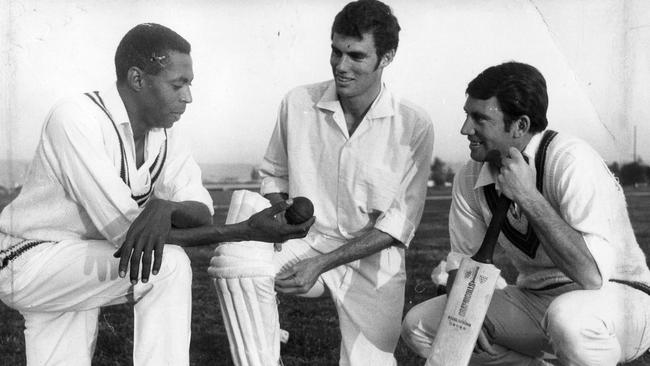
635 144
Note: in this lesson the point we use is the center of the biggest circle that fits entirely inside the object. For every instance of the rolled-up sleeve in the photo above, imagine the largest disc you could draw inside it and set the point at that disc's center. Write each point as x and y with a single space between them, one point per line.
403 216
274 169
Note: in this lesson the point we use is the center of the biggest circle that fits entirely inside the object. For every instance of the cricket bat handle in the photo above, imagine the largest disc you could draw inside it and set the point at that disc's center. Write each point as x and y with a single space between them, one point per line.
485 252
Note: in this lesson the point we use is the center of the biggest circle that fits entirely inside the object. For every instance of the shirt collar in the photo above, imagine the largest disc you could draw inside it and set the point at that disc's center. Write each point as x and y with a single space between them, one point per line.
115 105
488 175
116 108
381 106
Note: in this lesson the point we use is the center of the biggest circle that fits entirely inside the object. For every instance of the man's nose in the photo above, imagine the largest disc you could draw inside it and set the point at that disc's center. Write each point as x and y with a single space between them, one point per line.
186 96
468 127
343 63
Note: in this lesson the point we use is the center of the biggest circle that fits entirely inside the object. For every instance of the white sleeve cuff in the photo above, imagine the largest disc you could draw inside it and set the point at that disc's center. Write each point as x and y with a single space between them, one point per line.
397 225
115 231
199 194
453 260
274 185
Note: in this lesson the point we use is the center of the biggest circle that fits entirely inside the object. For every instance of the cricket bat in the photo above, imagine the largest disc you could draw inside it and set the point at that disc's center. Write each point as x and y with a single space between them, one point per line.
470 297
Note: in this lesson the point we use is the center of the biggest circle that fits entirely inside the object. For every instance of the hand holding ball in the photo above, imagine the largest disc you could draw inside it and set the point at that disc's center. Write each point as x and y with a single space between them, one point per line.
300 211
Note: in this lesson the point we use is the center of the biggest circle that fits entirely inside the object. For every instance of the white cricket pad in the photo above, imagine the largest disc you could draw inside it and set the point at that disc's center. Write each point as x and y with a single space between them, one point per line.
244 278
250 315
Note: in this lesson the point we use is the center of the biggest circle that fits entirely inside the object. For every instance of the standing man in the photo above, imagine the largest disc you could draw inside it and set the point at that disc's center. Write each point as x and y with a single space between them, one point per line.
110 171
362 155
582 292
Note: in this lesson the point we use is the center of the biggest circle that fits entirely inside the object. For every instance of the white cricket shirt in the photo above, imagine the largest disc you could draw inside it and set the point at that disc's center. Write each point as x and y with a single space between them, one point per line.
73 188
580 187
375 178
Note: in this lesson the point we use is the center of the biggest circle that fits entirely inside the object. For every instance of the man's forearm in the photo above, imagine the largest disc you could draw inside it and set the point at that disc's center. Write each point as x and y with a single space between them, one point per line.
208 234
189 214
261 226
565 246
357 248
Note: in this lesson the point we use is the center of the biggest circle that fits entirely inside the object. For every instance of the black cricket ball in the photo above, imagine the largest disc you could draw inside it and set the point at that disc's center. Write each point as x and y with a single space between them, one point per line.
300 211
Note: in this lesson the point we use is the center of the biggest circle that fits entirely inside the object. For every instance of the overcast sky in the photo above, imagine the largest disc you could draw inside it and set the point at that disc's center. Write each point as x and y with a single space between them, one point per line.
248 54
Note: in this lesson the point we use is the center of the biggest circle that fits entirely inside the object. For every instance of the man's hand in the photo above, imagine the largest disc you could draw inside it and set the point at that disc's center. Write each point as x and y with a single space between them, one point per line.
147 234
276 198
516 178
299 278
264 226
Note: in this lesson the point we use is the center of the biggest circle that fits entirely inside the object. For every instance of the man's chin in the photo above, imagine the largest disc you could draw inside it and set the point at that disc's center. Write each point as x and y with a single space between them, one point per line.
168 124
343 90
477 156
175 117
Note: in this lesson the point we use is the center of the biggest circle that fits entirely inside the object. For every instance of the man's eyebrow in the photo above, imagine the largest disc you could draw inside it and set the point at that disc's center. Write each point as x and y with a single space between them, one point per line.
358 54
476 115
182 79
355 54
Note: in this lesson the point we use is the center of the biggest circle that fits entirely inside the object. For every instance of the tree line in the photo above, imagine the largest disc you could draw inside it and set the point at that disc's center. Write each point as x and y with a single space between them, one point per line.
631 174
441 173
628 174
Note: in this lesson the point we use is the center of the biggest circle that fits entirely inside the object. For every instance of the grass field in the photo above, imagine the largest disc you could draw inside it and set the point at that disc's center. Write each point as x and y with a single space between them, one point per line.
312 322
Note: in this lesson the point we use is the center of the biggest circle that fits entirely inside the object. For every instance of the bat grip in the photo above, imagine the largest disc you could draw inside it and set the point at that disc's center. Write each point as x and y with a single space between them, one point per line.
485 252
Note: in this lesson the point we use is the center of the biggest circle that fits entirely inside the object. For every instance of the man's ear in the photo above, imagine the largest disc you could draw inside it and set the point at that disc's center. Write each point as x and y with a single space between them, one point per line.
135 78
387 58
520 126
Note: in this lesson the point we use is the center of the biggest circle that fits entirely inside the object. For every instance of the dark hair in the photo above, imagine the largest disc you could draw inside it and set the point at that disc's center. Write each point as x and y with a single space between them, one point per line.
520 90
363 16
147 47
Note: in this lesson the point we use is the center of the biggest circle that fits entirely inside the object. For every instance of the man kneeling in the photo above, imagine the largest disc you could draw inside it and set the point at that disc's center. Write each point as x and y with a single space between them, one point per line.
582 291
111 172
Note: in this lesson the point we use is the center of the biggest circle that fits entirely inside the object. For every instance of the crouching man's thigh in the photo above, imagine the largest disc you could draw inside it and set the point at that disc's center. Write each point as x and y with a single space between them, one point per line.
420 324
599 327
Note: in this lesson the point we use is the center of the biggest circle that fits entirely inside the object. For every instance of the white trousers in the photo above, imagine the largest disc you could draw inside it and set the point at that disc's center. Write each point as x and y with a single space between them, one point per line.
60 287
581 327
368 295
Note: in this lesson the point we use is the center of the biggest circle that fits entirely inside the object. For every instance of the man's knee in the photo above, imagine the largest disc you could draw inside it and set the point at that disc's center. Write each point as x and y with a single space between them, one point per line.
409 324
414 334
563 325
175 262
579 338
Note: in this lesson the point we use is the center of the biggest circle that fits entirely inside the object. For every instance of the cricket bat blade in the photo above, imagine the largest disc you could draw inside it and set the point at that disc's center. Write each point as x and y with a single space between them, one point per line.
464 313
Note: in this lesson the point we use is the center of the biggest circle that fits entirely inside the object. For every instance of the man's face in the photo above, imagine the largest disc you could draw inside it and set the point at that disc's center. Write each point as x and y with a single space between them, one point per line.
485 128
167 94
355 65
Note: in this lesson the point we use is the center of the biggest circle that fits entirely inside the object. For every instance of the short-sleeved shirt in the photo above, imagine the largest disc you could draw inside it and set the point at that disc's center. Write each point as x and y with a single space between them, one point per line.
74 188
375 178
579 186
